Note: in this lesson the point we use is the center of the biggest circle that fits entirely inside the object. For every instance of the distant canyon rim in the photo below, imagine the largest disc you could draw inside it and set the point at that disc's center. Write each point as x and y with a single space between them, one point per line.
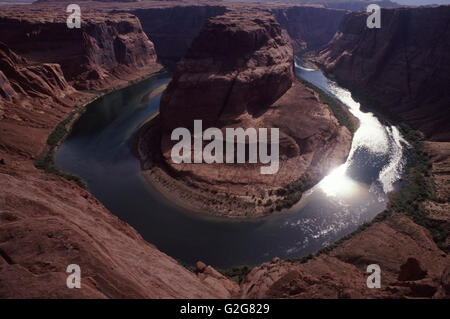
48 75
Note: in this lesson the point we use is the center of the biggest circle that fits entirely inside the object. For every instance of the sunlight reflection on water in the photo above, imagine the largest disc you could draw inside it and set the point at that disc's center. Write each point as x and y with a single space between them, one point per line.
337 183
379 140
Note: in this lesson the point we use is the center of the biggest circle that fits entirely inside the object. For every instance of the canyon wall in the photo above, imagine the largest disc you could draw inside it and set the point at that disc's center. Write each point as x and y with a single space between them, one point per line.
103 50
309 27
402 69
172 29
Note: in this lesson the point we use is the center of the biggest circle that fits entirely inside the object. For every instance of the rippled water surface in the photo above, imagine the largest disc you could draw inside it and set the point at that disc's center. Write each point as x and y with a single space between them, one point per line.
99 150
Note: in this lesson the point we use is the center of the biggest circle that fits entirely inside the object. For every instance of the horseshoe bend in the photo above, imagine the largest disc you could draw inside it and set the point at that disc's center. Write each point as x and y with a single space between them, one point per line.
253 87
89 178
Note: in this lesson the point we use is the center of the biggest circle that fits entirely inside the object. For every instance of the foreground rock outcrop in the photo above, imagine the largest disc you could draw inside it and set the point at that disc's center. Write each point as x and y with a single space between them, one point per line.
393 244
238 72
402 69
20 78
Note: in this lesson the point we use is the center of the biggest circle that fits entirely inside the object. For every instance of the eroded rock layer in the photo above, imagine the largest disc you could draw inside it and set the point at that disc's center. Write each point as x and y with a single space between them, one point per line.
411 266
107 47
19 78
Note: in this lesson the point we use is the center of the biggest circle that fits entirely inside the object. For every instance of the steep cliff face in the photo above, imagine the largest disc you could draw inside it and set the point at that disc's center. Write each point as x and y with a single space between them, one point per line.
172 29
238 63
309 27
239 73
403 68
106 47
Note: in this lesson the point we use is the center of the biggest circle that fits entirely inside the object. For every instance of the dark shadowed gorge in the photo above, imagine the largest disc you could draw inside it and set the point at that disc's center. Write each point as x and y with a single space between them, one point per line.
403 69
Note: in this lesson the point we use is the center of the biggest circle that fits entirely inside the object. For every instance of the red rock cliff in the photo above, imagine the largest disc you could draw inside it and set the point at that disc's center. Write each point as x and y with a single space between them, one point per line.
237 63
106 47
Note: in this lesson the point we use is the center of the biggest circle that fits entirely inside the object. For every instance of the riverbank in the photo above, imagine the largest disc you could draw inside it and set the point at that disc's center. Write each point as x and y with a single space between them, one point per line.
424 198
45 160
409 241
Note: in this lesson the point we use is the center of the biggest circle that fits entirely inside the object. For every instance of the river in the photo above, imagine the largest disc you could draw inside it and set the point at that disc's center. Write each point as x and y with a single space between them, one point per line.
99 150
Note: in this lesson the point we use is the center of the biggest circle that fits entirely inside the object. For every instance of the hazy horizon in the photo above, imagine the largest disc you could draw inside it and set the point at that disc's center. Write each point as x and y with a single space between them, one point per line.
420 2
401 2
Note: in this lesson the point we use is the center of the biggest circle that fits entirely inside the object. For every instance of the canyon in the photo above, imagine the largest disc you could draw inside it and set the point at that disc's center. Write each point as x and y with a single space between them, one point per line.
48 222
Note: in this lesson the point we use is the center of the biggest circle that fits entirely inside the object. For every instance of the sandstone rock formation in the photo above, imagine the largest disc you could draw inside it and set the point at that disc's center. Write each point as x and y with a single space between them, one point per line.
172 29
107 47
238 63
47 223
403 68
238 72
20 78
